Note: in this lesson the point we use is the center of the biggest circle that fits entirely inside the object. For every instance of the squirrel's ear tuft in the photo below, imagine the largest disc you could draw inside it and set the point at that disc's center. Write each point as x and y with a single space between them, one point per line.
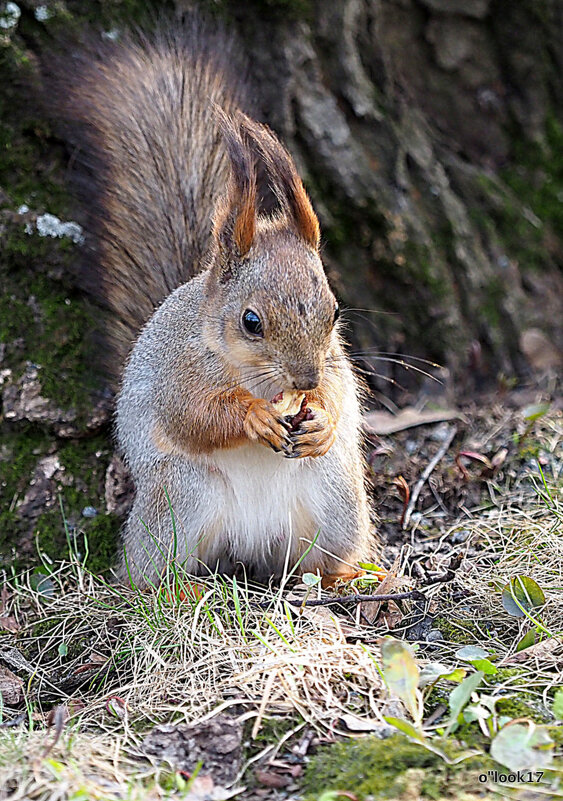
286 183
234 226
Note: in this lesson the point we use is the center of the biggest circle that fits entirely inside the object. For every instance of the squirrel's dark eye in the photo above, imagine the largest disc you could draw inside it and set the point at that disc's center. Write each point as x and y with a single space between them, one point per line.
336 313
252 323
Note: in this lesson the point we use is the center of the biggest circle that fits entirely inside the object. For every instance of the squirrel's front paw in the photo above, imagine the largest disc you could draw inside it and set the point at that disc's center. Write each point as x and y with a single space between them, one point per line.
264 424
315 435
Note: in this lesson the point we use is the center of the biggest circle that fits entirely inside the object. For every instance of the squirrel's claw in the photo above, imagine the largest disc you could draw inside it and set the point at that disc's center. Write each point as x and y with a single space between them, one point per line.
263 424
315 436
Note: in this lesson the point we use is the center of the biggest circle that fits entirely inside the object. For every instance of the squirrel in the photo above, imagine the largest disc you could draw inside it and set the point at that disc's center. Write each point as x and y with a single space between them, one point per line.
223 478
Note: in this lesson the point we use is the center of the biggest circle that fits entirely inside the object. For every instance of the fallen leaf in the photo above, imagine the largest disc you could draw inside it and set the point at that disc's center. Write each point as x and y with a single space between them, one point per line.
543 650
356 723
405 494
523 746
57 719
271 779
88 666
11 687
499 458
390 582
390 617
116 706
383 423
401 672
521 591
336 579
474 457
433 671
183 591
215 743
9 623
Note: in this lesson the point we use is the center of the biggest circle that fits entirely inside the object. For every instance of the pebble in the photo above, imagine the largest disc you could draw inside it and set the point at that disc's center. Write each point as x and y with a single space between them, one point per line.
89 511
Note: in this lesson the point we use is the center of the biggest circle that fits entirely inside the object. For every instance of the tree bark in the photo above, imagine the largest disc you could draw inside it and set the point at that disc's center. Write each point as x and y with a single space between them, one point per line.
412 122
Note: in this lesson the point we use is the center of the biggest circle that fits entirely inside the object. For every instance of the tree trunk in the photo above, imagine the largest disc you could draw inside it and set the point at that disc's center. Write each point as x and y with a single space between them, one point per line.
427 133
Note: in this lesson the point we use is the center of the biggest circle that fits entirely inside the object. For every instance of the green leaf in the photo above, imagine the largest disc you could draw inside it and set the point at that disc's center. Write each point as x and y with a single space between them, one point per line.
406 727
436 670
485 666
310 579
63 649
400 672
534 411
521 591
527 641
461 695
42 584
557 706
470 652
477 656
523 746
456 675
371 567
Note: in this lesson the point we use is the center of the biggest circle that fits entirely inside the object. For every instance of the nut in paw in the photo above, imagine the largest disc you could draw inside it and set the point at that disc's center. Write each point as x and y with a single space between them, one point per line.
263 423
315 434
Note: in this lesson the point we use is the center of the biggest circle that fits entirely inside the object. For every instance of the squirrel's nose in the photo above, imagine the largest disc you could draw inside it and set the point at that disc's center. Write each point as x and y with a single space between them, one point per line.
308 379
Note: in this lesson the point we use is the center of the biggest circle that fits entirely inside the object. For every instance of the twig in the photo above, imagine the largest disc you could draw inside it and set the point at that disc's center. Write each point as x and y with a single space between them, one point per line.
356 599
426 474
56 719
415 594
448 575
9 724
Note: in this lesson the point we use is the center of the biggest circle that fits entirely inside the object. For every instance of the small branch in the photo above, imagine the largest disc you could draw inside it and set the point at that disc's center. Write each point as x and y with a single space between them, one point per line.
356 599
8 724
449 574
426 475
415 594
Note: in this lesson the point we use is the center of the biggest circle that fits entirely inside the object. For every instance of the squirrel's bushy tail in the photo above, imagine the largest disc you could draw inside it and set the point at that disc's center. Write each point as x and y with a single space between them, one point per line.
140 114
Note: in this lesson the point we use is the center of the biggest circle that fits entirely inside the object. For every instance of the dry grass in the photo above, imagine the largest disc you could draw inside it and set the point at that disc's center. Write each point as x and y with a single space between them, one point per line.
171 655
184 659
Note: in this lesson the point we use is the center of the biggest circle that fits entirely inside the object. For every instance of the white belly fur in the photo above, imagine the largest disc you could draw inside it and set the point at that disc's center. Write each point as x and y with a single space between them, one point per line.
262 499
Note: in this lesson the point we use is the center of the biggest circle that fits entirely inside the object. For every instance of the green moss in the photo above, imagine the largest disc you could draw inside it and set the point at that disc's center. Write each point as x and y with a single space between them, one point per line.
53 320
391 769
537 177
19 454
510 677
49 631
534 180
460 630
85 463
271 731
93 540
102 535
516 707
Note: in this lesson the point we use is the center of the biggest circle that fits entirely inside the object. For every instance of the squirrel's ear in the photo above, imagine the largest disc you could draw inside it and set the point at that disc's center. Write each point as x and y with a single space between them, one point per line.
285 181
234 225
